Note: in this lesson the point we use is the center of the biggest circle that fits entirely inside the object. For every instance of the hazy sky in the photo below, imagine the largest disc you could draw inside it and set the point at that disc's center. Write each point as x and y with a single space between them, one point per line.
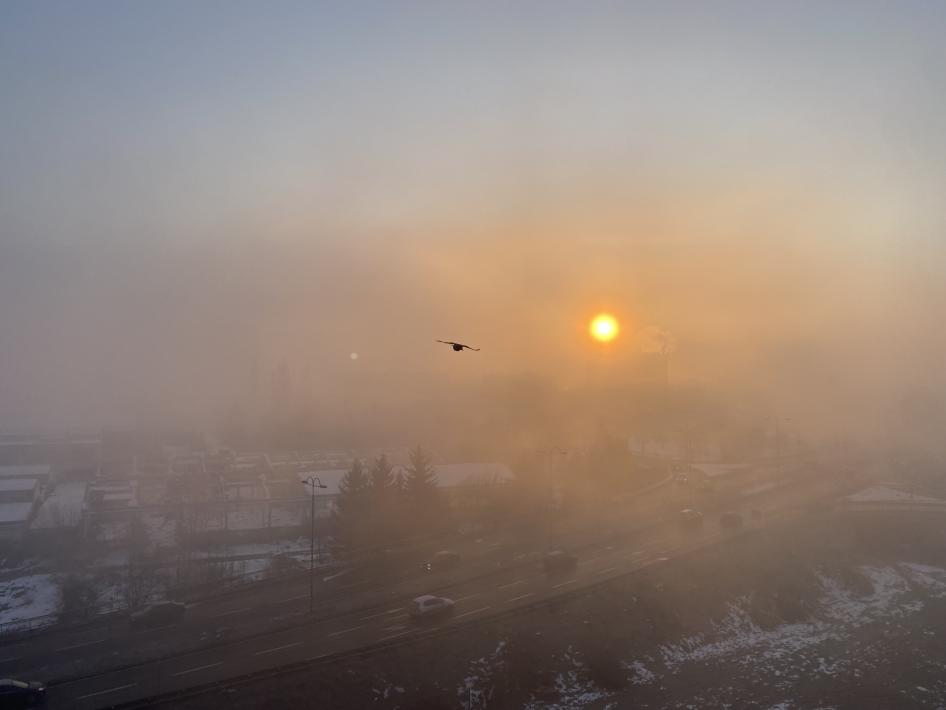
192 192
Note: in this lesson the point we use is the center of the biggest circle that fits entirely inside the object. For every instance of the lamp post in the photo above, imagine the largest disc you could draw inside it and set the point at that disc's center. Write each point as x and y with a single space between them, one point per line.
315 483
778 440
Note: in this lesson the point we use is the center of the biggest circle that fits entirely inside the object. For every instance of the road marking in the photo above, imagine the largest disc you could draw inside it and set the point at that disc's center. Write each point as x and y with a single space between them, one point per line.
335 576
462 599
278 648
475 611
230 613
562 584
392 611
345 631
394 636
352 586
293 599
315 658
402 615
199 668
590 559
522 596
394 628
81 645
511 584
10 660
376 616
606 570
110 690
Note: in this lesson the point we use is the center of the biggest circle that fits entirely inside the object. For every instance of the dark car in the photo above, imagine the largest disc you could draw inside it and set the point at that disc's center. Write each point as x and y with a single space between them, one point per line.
691 519
730 521
21 694
443 560
559 561
160 614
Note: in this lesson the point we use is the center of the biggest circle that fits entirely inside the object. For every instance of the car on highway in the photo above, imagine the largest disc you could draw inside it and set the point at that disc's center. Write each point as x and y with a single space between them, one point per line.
730 520
16 694
427 606
690 519
159 614
559 561
443 560
681 479
706 486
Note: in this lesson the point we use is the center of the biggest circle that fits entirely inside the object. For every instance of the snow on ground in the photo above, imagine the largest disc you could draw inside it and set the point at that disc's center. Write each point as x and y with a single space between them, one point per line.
477 689
62 507
29 596
738 639
829 645
840 611
642 674
574 689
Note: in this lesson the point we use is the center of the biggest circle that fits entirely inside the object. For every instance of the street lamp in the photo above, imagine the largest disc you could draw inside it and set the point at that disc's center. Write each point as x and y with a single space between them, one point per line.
778 439
315 483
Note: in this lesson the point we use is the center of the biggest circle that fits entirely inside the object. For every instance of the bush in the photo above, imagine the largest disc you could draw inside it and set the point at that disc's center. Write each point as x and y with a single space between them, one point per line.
78 598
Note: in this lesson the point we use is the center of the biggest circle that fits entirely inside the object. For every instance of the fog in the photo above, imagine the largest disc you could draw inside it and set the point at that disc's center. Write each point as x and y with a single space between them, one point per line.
472 355
826 331
192 223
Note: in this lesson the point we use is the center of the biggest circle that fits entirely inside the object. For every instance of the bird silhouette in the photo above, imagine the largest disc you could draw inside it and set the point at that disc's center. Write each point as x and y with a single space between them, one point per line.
457 347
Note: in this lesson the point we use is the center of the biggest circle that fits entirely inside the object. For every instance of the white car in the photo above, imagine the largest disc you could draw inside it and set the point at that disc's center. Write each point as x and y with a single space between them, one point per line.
429 606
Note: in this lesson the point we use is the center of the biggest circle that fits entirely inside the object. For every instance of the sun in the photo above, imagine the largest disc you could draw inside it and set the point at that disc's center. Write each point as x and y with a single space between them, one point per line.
604 328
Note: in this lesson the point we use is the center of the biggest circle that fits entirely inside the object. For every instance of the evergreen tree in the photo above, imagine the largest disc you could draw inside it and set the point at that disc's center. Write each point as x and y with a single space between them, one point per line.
382 476
353 486
351 506
420 485
428 511
400 482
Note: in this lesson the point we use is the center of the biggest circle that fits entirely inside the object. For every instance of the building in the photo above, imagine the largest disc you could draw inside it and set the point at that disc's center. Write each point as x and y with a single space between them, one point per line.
18 499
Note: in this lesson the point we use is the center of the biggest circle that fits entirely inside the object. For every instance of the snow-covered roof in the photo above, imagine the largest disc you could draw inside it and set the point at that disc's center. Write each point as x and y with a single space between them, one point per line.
452 475
25 471
887 494
17 484
15 512
63 507
713 470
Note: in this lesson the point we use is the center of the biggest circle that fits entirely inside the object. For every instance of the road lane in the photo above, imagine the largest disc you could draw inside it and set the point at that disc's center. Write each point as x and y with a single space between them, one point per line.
336 634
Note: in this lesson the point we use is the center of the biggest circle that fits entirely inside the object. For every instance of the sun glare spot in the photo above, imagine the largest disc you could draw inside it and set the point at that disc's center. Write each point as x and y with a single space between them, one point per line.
604 328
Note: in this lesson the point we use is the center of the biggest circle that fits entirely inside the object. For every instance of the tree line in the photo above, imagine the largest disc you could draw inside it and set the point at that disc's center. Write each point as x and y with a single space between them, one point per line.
375 504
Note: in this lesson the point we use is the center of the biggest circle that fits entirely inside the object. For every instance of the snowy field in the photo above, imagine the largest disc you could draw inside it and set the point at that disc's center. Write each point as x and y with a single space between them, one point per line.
847 638
29 596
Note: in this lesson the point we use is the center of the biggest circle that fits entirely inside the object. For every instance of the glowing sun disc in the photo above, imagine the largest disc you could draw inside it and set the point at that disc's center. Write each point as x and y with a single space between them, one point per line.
604 327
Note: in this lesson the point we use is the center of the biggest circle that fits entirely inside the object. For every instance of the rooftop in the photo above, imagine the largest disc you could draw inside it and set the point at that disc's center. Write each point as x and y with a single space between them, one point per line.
17 484
15 512
24 471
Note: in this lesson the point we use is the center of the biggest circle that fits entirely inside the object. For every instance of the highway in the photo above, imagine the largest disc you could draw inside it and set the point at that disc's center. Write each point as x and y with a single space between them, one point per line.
269 626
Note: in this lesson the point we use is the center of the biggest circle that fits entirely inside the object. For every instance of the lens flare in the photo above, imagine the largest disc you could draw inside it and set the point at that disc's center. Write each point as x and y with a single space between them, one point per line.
604 327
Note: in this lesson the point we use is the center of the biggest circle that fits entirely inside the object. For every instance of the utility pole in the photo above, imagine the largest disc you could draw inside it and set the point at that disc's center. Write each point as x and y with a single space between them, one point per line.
315 483
778 441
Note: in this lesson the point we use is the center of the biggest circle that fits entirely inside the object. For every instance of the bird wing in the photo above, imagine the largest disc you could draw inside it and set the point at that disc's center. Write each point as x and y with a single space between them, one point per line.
473 349
447 342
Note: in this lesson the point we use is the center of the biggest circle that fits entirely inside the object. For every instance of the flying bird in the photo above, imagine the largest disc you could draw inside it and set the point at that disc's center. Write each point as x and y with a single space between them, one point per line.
458 347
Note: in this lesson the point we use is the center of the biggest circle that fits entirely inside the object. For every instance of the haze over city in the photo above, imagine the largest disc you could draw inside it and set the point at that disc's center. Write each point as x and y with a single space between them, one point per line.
472 355
192 196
